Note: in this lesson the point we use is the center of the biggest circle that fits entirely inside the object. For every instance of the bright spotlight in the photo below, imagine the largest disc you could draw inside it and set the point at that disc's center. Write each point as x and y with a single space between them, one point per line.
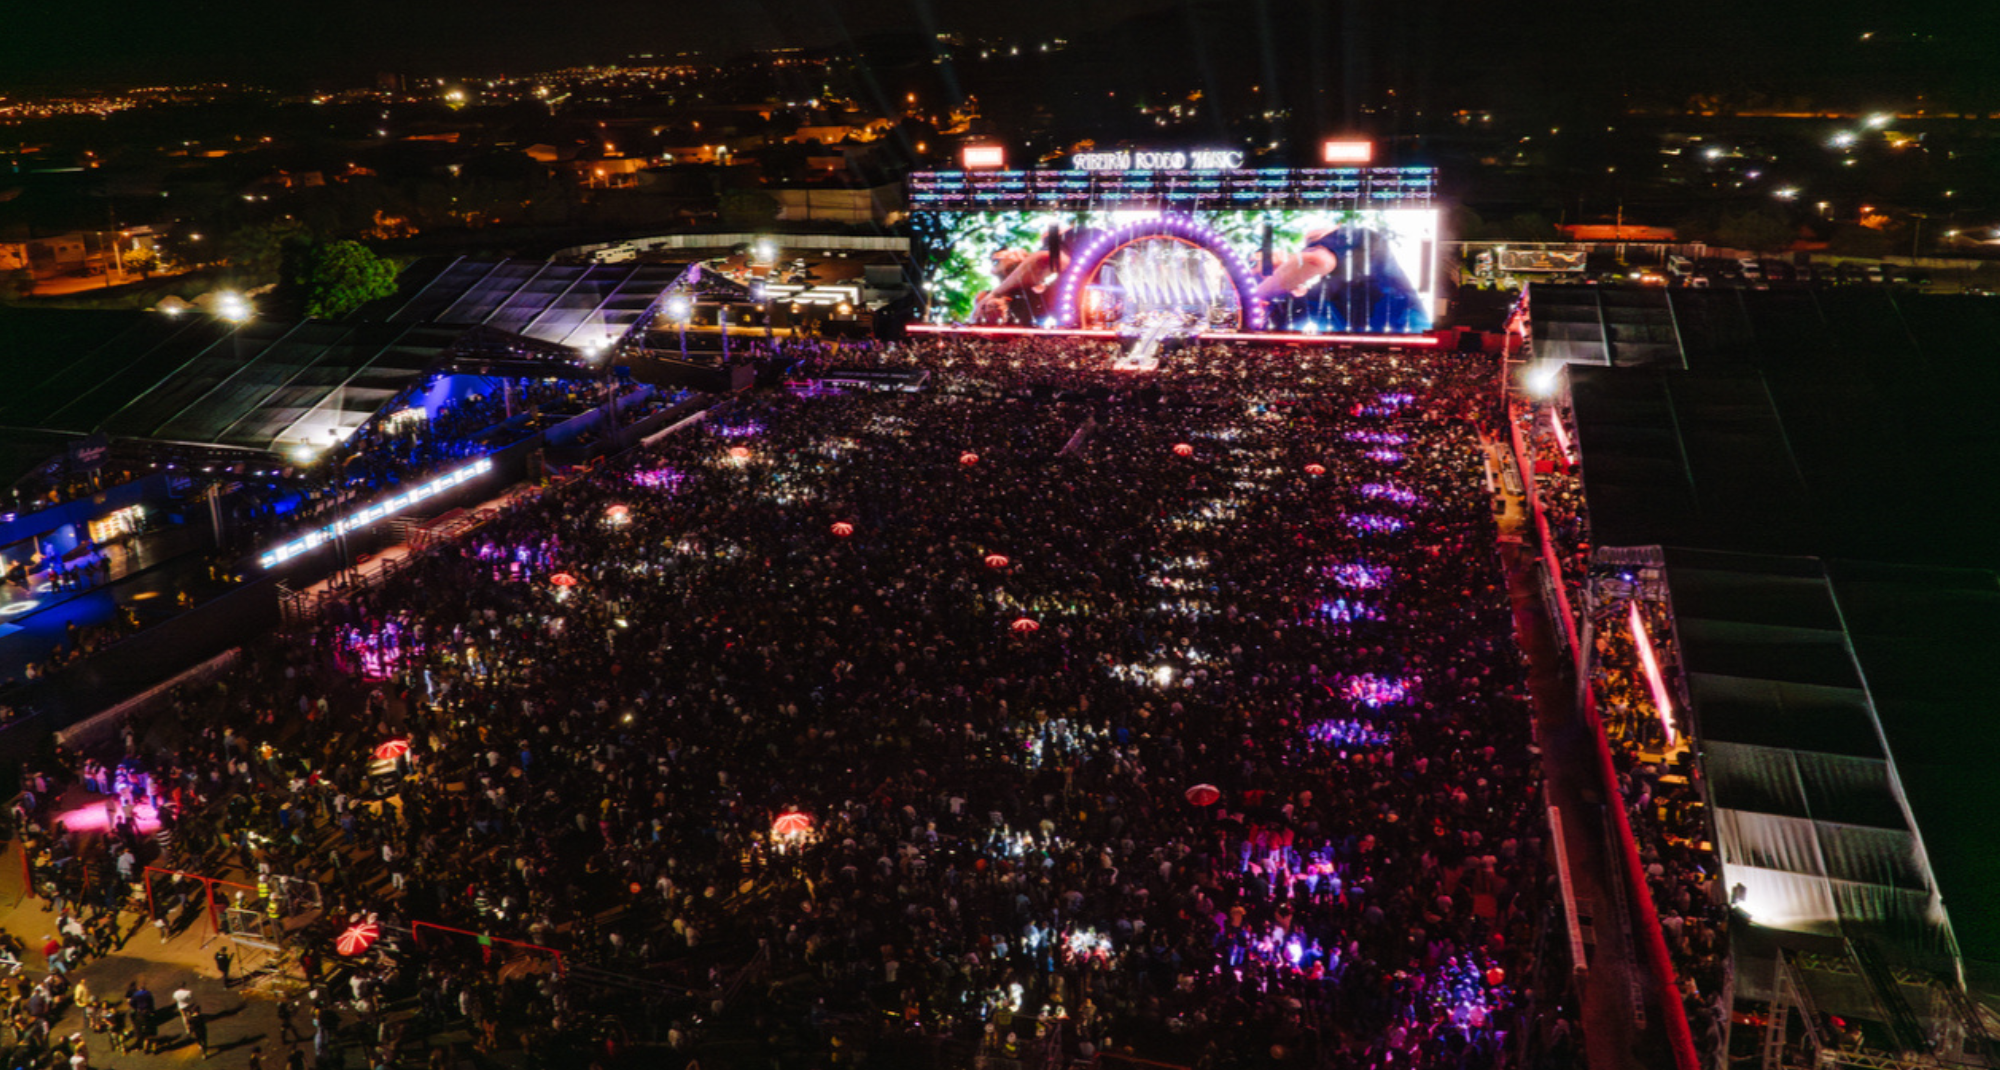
679 308
763 250
1788 193
1878 120
232 307
1542 380
1844 139
1713 152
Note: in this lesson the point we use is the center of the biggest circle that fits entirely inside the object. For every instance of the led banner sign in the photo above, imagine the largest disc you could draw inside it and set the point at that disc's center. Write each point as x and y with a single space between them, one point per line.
1149 160
361 518
1192 185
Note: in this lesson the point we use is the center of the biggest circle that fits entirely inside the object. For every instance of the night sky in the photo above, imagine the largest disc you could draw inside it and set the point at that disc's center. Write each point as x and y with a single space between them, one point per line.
123 42
291 44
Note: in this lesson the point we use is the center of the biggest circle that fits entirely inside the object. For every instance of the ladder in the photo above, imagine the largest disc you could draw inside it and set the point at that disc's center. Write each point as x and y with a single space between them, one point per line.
1778 1022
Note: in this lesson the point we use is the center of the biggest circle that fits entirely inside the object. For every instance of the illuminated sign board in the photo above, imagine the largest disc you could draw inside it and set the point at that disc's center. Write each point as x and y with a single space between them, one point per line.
383 509
1166 160
1346 152
1077 189
983 157
1558 260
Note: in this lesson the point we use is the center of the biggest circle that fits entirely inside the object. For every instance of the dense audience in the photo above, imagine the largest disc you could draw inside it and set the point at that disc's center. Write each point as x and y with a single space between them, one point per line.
1176 714
1663 800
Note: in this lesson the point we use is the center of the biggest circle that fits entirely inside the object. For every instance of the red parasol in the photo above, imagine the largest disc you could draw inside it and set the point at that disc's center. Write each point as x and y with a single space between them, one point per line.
791 823
617 514
393 750
357 938
563 579
739 453
1026 626
1204 794
842 528
1182 449
968 458
1315 469
997 561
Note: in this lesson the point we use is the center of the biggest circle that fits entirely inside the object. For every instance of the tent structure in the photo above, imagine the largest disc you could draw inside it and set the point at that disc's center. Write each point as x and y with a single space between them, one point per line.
1814 480
263 386
581 306
1815 832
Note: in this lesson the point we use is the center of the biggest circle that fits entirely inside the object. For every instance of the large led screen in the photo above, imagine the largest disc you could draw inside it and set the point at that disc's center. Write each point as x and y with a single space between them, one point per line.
1311 271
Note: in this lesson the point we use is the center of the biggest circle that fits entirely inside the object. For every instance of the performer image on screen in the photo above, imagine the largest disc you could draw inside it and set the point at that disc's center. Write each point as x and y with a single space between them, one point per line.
1346 277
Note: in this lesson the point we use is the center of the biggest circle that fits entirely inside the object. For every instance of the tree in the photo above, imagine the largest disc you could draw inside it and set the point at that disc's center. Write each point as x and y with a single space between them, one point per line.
17 285
1525 226
747 207
1758 232
1853 239
336 277
257 252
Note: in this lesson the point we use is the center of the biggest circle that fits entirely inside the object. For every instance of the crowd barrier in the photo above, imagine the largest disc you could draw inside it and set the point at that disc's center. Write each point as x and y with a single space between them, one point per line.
1646 918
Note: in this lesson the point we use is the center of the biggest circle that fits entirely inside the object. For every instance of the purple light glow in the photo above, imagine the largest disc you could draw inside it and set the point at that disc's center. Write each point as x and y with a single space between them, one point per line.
377 654
1343 611
1385 456
1349 734
1375 523
1376 692
658 478
1389 492
1378 438
1360 576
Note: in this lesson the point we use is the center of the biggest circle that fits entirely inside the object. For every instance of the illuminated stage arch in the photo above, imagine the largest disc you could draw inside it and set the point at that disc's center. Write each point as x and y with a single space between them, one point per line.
1091 257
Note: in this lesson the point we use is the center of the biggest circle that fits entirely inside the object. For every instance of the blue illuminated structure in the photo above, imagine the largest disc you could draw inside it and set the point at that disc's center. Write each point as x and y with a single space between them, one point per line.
383 509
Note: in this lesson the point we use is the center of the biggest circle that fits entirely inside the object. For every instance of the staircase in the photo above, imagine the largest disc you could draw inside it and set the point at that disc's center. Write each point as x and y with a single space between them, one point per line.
1903 1022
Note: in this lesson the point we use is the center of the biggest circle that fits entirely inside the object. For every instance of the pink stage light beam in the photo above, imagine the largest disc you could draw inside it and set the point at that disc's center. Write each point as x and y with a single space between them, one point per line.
1661 701
99 816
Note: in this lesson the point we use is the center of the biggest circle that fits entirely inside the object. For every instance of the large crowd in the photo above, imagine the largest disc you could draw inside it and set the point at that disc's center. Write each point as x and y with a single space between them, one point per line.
1177 715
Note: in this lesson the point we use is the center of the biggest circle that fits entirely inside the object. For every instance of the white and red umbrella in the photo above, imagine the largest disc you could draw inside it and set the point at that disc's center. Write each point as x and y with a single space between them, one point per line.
791 823
357 938
392 750
1204 795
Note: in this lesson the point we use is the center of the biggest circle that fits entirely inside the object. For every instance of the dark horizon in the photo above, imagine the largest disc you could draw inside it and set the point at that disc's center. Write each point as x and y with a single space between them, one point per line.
243 42
1928 45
